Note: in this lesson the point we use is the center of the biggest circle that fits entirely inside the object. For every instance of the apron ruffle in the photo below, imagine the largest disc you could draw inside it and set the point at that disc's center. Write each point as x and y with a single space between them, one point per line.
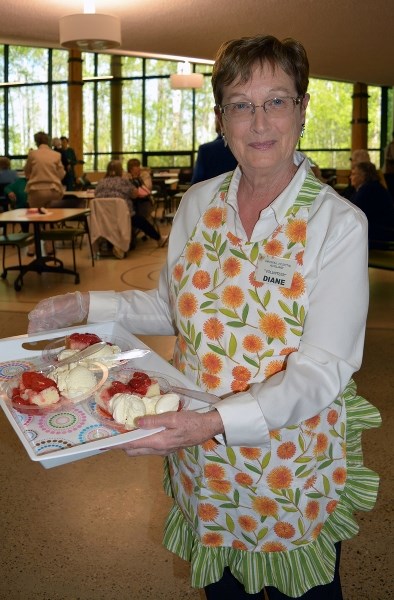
292 572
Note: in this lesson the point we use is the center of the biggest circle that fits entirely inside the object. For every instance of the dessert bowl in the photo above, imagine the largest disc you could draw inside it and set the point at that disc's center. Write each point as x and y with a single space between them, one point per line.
58 349
153 398
69 387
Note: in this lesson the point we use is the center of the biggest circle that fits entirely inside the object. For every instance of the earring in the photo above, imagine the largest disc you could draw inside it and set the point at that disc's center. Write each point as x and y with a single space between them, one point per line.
224 140
302 130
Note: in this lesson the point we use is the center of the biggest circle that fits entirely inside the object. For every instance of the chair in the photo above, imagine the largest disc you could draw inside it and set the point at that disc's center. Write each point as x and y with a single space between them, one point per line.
64 234
110 220
18 240
4 203
71 201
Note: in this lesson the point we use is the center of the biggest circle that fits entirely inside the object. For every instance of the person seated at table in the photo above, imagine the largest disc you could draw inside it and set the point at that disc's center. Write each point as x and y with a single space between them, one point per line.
7 175
142 180
373 199
17 197
114 185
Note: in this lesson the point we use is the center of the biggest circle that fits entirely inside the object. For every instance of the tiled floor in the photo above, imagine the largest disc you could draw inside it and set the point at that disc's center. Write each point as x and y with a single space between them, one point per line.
91 530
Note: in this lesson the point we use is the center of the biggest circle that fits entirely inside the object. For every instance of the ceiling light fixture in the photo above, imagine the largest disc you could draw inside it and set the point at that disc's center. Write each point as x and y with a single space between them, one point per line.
186 79
89 31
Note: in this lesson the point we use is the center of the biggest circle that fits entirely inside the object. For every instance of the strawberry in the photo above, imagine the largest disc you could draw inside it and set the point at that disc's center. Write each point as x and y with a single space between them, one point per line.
117 387
31 384
139 383
31 380
111 388
80 341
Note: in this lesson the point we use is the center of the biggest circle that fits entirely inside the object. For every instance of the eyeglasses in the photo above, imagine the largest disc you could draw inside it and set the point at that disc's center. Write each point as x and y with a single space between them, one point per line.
274 107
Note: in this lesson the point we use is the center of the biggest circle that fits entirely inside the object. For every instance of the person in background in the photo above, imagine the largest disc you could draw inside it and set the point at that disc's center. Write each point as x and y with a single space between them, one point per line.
266 288
71 161
115 185
213 158
143 203
388 166
374 200
57 147
44 172
140 177
7 176
358 156
17 197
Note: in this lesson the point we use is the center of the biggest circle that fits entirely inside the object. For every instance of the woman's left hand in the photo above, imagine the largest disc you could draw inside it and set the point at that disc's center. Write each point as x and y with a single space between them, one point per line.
182 429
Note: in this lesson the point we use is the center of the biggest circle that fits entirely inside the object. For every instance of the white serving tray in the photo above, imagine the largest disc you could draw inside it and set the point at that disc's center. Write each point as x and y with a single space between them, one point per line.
14 348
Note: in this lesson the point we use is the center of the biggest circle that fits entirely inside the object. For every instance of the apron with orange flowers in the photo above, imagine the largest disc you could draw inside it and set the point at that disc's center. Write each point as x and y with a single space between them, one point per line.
235 329
237 325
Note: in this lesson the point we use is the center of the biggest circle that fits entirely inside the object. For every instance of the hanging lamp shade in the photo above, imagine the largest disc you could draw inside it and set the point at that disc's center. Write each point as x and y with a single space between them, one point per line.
181 81
90 31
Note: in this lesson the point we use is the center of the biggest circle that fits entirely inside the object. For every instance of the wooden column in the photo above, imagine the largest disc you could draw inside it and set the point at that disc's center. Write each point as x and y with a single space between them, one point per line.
116 108
75 106
360 116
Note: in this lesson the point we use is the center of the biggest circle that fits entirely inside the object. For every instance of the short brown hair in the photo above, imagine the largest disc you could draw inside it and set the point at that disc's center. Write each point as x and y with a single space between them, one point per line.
133 162
41 138
5 163
236 58
114 169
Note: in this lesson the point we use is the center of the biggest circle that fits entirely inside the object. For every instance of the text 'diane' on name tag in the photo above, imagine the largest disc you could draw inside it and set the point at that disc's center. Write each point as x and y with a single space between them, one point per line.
274 270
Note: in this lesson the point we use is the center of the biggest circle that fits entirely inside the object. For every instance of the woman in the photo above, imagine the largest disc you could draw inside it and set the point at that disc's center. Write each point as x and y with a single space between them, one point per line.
143 204
45 172
114 185
373 199
266 287
7 176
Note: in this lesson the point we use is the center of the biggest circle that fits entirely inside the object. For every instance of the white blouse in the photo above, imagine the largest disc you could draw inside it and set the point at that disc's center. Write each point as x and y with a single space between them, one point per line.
336 274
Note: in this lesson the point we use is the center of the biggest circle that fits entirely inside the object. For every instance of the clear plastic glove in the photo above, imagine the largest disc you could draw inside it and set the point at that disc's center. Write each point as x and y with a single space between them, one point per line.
59 311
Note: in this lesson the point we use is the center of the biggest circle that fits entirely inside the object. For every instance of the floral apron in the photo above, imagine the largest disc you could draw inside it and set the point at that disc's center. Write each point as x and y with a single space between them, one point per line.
235 328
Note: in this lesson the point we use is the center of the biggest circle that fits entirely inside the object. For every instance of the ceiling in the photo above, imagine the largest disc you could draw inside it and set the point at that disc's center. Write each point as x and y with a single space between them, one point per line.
349 40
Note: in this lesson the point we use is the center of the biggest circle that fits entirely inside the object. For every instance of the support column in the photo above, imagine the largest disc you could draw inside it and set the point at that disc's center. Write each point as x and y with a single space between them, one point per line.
75 106
360 116
116 108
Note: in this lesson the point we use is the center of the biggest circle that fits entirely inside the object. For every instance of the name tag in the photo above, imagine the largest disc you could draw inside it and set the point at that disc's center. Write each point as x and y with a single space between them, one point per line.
279 271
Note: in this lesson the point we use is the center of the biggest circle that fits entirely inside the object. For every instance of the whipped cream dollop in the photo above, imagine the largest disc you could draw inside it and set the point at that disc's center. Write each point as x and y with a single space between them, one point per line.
125 407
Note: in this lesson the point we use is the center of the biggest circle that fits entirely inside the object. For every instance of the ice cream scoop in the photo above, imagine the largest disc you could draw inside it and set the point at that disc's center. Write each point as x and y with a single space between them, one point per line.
75 381
125 408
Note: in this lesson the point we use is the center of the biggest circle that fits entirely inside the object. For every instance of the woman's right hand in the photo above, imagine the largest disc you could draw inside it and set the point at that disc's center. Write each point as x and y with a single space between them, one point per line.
59 311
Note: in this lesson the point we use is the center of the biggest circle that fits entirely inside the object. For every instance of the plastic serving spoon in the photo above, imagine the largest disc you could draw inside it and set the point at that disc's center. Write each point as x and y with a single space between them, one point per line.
126 355
197 395
77 357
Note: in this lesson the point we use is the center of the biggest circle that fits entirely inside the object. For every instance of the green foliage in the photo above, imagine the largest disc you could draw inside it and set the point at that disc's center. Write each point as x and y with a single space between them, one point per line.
155 118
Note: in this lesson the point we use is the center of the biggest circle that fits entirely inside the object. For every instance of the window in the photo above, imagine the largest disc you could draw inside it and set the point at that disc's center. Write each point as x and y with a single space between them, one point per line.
163 127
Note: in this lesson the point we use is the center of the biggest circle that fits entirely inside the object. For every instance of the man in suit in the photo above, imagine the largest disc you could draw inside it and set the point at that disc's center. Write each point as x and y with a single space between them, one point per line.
213 158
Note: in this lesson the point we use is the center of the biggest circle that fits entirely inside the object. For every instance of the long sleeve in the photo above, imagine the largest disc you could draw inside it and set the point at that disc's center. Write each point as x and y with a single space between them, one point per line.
336 276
